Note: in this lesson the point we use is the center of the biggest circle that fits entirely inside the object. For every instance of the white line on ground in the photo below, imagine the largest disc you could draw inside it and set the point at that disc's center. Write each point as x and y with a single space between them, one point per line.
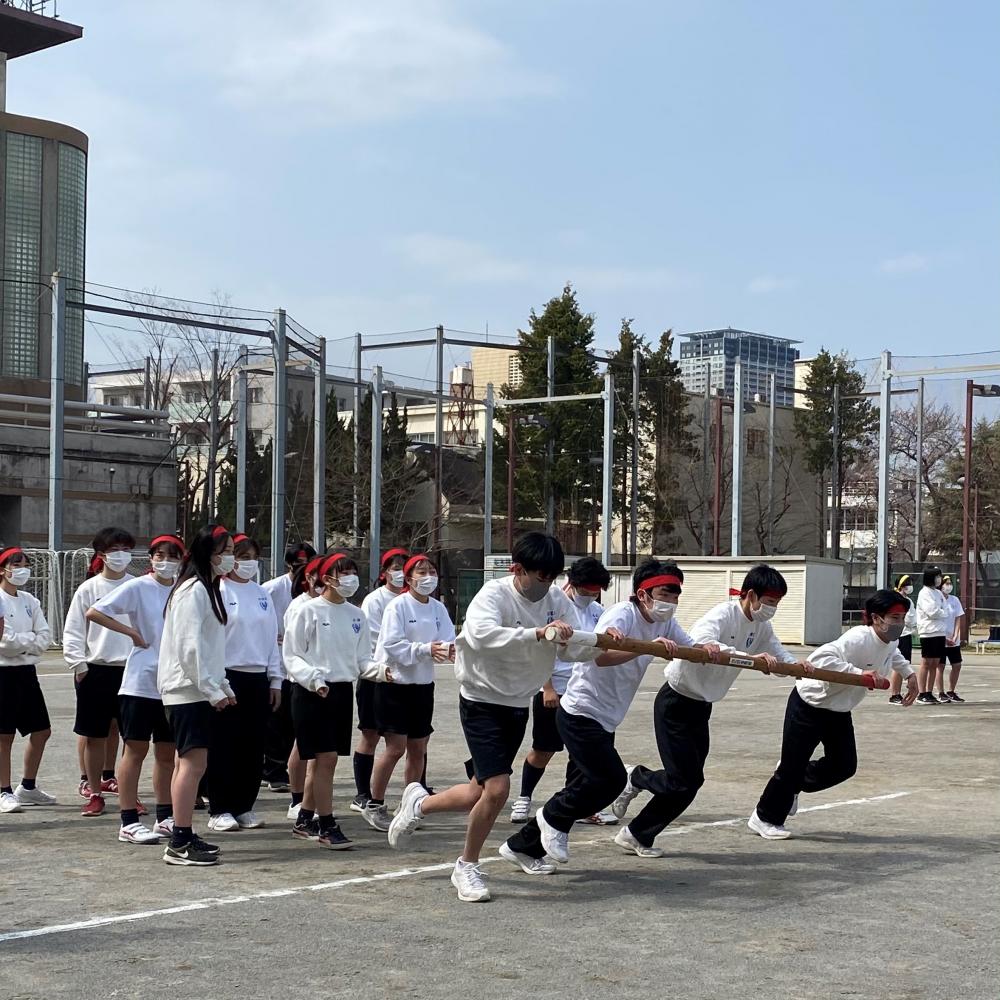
213 902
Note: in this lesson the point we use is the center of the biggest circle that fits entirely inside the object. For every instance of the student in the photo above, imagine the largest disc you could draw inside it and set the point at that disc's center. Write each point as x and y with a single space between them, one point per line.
191 678
501 662
820 712
279 737
141 603
255 673
417 633
24 637
904 586
586 579
597 698
933 617
97 657
389 586
952 645
683 706
327 647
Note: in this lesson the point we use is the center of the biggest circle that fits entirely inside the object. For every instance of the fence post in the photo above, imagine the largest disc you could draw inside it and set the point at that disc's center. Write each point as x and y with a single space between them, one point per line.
488 477
607 514
278 439
241 440
319 451
885 403
736 531
375 519
57 411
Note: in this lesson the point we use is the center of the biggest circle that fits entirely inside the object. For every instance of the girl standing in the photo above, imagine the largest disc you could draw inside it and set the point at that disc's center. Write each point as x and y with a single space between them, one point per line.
904 586
417 632
191 678
932 623
24 636
141 602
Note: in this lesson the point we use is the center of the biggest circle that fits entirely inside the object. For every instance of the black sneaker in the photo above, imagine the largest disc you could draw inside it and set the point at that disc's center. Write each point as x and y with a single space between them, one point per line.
952 696
309 830
279 786
896 699
359 802
203 845
333 839
943 699
189 854
926 699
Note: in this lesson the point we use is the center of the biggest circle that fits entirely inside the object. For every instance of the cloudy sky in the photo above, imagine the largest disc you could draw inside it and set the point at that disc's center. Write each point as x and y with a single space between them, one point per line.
824 172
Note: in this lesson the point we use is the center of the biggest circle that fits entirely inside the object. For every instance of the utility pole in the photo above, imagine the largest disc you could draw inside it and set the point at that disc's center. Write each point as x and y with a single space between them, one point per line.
375 522
510 479
213 435
488 477
706 439
967 508
356 509
634 504
241 440
835 477
439 440
550 447
717 527
279 439
771 414
918 485
319 449
885 412
607 535
57 411
736 529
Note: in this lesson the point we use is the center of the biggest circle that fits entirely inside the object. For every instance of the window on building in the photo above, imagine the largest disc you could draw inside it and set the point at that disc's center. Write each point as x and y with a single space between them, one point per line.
113 400
756 441
515 377
255 394
193 396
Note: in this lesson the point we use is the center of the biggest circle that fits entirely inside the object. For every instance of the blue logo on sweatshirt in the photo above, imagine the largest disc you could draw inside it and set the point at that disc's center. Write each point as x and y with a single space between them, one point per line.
262 601
750 638
550 617
356 625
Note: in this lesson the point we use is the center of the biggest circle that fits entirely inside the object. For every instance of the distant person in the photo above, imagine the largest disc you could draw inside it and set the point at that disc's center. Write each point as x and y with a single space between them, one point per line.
933 617
904 586
952 645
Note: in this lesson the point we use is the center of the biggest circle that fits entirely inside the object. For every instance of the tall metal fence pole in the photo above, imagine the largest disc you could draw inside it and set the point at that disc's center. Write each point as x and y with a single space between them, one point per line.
375 520
550 447
918 486
736 524
488 476
213 436
835 477
319 450
634 496
607 515
241 440
57 411
706 419
885 404
772 386
356 505
439 439
278 440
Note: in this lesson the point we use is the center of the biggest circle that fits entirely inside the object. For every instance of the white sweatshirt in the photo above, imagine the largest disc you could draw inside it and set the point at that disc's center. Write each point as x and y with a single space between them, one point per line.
585 621
252 631
727 625
604 694
857 650
326 643
932 613
192 664
24 635
83 641
374 606
139 602
498 658
408 629
955 611
910 621
279 590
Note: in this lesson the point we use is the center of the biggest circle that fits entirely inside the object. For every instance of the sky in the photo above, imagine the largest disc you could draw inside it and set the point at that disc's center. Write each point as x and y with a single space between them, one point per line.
822 172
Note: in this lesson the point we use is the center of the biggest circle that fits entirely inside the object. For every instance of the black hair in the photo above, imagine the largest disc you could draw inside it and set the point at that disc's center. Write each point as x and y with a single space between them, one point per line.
294 553
342 564
241 547
103 541
931 573
589 572
539 553
882 602
197 564
653 567
299 582
903 580
764 579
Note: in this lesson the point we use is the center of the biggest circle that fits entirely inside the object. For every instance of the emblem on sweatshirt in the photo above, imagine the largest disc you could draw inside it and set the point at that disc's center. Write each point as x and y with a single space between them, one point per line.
356 625
750 638
262 601
550 617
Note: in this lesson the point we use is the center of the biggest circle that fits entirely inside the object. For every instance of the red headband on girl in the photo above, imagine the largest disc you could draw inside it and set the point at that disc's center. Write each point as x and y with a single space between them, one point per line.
413 561
777 595
14 550
240 537
329 563
387 557
313 565
96 562
167 540
219 530
590 588
664 580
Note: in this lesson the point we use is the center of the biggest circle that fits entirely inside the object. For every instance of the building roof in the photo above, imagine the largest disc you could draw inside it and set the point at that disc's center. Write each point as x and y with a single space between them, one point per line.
730 332
23 32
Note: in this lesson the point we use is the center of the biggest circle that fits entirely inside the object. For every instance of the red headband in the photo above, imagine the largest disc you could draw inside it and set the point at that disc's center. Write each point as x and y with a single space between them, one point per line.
590 588
413 560
777 595
313 565
328 563
167 540
240 537
219 530
387 557
12 551
664 580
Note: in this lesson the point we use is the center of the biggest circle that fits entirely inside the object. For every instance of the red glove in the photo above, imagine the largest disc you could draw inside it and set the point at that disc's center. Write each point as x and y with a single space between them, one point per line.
873 680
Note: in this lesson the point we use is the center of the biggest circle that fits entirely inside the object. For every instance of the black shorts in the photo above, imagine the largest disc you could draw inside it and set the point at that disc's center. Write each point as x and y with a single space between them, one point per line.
932 647
494 734
953 654
323 725
404 710
97 700
544 735
366 704
192 725
22 704
906 647
140 718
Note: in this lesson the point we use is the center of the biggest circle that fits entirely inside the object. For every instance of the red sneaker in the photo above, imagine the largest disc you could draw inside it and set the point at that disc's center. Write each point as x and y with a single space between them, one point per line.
83 789
109 786
95 807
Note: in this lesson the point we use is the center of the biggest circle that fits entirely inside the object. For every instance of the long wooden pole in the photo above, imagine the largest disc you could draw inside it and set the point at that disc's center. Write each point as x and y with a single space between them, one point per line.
698 655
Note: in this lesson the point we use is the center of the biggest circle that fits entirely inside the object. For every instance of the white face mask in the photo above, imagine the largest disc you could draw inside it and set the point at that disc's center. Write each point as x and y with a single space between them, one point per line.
764 613
425 585
582 600
661 611
225 564
246 569
118 561
395 577
946 589
907 590
20 576
167 568
347 586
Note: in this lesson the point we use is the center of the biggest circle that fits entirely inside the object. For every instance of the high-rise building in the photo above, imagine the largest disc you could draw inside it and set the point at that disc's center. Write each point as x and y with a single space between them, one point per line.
712 355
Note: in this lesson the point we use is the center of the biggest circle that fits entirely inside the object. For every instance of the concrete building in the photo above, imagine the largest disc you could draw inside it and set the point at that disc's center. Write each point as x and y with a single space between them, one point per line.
712 355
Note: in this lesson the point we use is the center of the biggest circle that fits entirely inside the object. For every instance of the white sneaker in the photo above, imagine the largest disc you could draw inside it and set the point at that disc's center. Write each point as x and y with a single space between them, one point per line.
249 821
377 816
521 810
767 830
624 839
408 817
136 833
529 865
606 818
620 806
468 879
795 807
33 797
293 811
223 823
555 842
164 827
9 803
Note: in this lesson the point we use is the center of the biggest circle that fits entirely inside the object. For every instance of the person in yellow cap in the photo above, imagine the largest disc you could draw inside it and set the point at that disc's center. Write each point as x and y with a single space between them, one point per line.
904 586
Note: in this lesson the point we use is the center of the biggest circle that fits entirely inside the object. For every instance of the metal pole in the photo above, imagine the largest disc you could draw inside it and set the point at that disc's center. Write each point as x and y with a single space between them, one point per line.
608 470
973 574
967 504
213 435
147 385
772 387
356 509
57 413
918 491
885 403
550 447
439 437
241 440
319 450
717 512
634 498
510 480
705 445
375 522
736 521
835 477
278 438
488 476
